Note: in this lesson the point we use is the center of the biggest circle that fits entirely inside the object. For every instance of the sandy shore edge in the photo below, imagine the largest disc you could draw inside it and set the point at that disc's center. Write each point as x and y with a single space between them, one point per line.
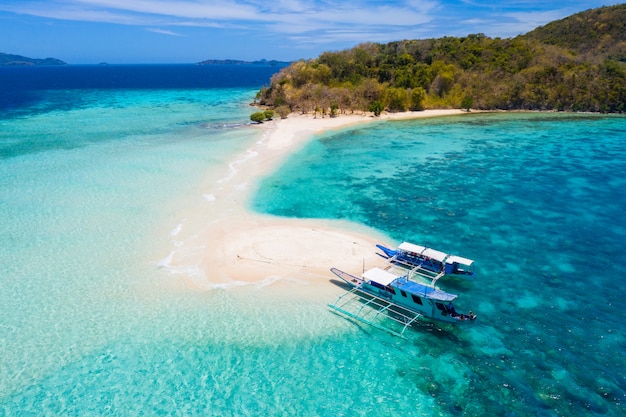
239 247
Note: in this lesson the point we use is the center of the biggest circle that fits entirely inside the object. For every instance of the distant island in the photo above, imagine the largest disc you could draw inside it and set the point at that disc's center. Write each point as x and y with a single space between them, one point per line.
272 62
22 61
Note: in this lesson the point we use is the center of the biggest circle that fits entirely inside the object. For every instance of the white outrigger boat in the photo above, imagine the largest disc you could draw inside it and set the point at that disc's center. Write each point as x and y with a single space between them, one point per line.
429 260
401 293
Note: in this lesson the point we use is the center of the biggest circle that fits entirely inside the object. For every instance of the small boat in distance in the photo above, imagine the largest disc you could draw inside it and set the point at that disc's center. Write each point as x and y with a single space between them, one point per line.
428 259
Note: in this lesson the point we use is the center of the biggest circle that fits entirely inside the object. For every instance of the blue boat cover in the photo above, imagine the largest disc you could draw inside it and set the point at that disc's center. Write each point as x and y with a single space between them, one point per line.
422 290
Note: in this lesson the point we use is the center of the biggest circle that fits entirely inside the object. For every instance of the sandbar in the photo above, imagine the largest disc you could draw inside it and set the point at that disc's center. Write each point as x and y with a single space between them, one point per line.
238 247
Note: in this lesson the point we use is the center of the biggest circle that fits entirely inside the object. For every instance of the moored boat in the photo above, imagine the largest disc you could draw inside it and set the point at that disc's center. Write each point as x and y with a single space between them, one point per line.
417 298
430 260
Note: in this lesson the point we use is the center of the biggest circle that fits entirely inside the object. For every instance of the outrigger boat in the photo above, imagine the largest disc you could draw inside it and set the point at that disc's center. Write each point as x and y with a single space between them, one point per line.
396 293
429 259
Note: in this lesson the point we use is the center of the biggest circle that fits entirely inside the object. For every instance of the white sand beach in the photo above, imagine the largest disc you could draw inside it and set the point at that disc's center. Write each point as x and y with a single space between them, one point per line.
238 247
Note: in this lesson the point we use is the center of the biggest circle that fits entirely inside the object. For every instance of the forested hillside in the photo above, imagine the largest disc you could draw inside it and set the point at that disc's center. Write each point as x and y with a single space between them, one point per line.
575 64
597 33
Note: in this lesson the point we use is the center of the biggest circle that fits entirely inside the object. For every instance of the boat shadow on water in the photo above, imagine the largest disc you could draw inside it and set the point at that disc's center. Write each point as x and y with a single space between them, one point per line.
341 284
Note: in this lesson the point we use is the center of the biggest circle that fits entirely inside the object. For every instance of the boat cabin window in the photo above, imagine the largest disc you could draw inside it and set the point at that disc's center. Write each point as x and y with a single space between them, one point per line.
416 299
377 285
403 293
387 288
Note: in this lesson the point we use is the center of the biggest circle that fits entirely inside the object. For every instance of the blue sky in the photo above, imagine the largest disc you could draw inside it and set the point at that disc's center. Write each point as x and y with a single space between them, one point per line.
187 31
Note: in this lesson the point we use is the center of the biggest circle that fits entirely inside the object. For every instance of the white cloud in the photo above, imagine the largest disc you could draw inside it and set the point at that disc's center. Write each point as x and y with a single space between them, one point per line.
69 12
164 32
142 12
534 19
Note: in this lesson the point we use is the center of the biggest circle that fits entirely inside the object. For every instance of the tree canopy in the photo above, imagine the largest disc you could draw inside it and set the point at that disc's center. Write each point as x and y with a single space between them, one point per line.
555 67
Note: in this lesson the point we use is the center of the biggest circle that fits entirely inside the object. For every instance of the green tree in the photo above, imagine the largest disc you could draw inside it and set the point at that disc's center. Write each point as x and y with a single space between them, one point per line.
417 98
397 99
376 107
467 103
268 114
257 117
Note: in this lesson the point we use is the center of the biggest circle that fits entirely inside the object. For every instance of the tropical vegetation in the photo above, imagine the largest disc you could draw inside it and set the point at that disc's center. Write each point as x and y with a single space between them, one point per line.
260 116
574 64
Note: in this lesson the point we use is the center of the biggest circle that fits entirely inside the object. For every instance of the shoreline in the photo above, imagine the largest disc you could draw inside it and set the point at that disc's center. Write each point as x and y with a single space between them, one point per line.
240 247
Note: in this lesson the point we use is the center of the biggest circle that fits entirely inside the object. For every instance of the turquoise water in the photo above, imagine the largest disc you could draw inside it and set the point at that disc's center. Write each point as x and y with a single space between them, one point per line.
96 185
538 201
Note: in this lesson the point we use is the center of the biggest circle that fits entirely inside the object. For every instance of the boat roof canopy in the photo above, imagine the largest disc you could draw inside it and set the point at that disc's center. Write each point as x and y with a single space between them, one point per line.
434 254
380 276
459 260
410 247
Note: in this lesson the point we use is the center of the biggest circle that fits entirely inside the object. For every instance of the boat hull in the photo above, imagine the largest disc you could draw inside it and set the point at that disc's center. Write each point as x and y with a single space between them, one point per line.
429 308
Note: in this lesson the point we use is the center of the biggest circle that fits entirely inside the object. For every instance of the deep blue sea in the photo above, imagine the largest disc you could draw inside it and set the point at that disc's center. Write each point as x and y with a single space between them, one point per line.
100 165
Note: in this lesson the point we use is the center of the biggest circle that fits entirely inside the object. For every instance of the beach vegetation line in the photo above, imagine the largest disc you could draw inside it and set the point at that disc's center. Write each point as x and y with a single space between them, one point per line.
574 64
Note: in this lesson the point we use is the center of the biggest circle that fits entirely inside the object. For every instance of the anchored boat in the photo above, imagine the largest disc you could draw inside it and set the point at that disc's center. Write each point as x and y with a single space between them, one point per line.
401 292
429 259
